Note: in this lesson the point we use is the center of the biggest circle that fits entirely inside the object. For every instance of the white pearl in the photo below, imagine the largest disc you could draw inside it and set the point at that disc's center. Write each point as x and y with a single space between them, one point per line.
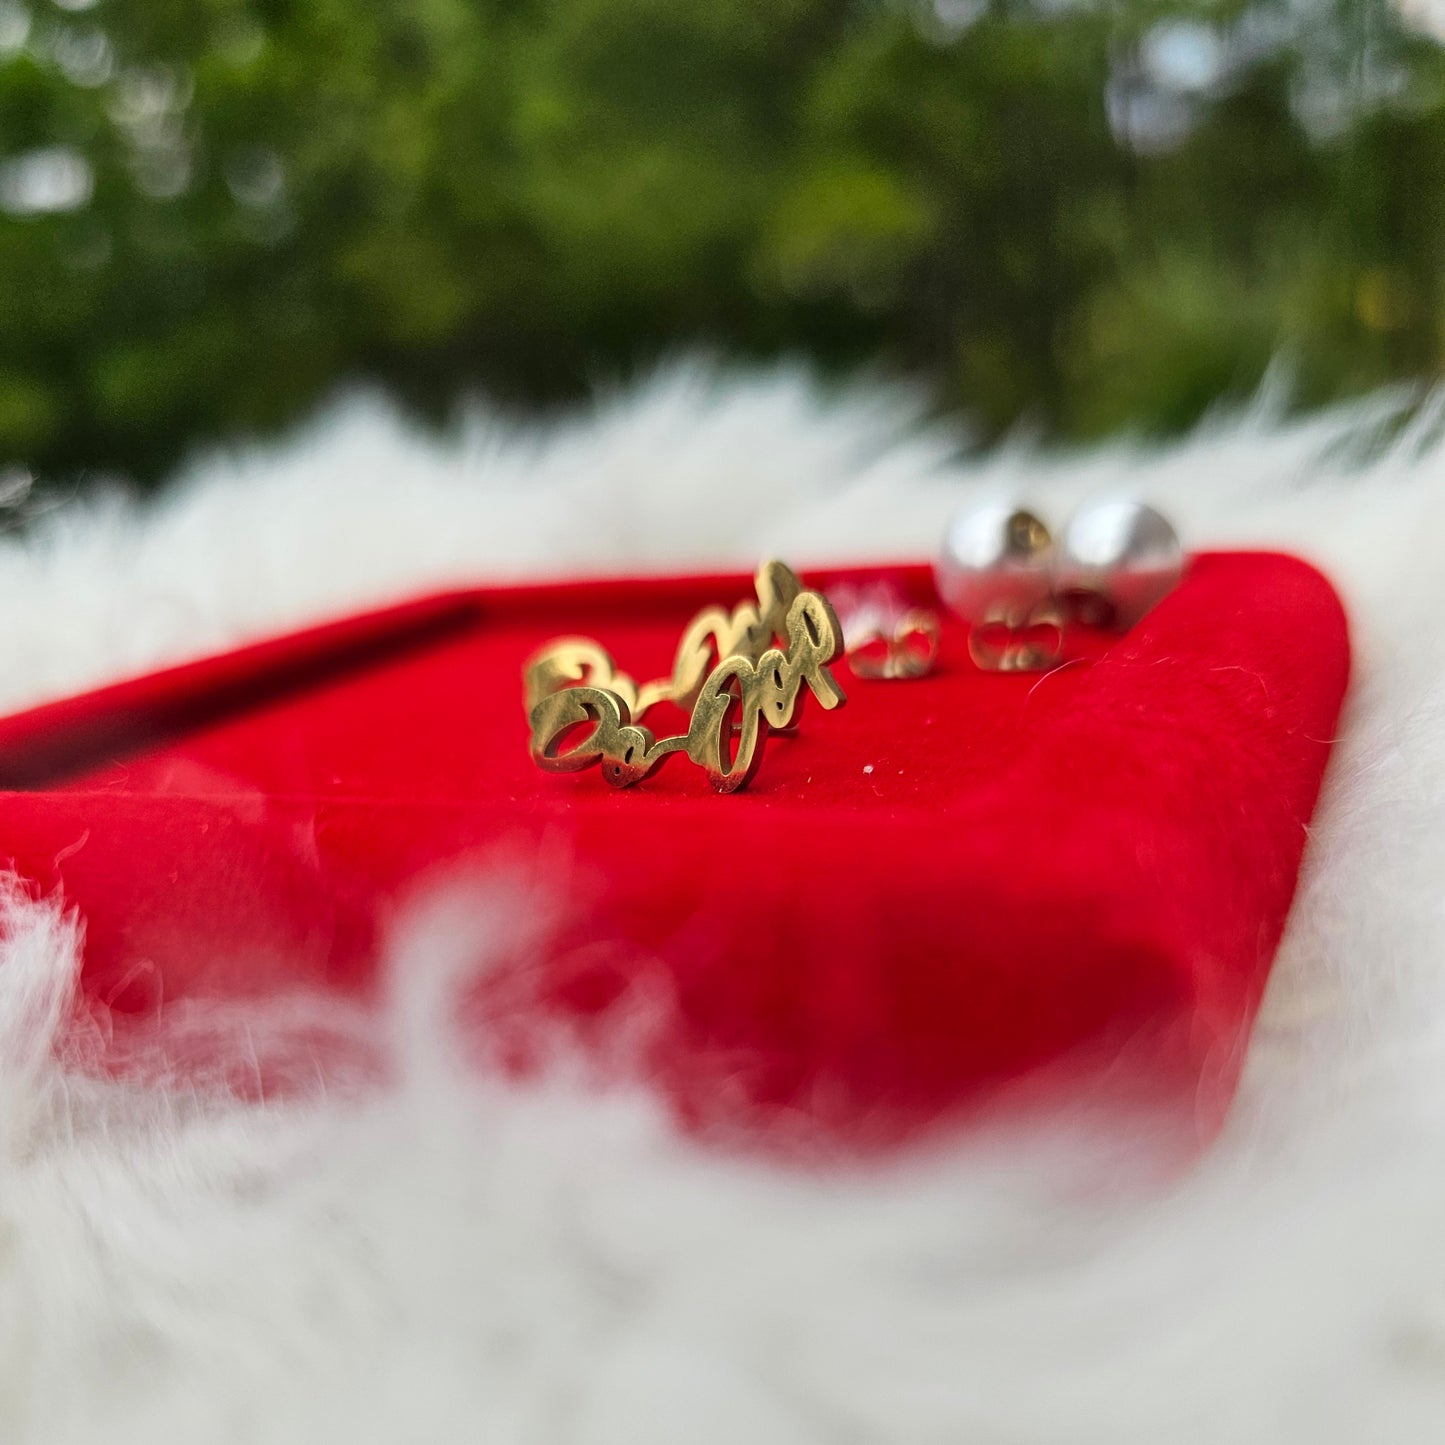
1116 559
995 564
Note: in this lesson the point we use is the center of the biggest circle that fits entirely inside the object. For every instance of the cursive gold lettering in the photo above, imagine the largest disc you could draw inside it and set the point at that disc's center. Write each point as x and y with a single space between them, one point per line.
740 697
712 635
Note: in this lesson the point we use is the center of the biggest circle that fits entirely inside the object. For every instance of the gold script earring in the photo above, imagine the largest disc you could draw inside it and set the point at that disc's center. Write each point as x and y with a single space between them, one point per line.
727 670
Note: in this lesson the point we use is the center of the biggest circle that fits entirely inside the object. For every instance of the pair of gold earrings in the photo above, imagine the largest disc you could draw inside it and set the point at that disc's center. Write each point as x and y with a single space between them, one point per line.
728 672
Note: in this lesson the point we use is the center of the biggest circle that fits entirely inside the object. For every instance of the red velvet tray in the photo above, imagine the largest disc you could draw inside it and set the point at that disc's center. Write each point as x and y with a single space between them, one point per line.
949 883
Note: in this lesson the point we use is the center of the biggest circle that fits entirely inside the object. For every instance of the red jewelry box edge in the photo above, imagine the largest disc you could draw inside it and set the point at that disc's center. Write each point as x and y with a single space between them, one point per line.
55 736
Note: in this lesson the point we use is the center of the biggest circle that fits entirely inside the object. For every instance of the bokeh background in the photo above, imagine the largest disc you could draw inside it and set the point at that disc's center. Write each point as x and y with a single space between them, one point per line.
1069 217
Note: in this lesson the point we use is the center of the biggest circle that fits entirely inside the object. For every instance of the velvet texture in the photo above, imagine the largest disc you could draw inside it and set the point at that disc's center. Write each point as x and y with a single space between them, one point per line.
949 884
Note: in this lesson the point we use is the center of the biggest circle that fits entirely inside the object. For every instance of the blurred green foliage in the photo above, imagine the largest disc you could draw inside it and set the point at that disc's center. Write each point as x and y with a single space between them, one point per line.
1073 216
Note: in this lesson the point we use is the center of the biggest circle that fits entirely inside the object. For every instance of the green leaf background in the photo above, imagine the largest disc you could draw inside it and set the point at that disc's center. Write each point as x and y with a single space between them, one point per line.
1077 218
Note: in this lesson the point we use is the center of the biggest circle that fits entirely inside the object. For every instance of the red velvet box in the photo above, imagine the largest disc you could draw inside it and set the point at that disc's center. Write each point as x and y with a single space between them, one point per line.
947 884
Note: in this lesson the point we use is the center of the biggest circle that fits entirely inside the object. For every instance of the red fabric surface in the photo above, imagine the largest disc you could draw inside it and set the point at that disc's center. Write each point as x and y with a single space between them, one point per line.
945 884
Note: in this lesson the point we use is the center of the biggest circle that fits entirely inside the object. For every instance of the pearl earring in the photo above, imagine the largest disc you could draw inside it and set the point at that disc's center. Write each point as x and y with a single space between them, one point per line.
1004 574
1117 558
996 572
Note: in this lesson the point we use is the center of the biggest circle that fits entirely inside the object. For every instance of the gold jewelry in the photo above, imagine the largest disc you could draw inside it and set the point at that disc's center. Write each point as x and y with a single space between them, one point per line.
726 671
711 636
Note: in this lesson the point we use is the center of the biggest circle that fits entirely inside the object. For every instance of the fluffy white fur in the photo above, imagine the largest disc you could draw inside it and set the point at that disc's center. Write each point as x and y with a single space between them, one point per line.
444 1258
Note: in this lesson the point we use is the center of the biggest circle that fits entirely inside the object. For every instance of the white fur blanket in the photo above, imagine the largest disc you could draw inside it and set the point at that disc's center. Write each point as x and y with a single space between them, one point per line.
445 1258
